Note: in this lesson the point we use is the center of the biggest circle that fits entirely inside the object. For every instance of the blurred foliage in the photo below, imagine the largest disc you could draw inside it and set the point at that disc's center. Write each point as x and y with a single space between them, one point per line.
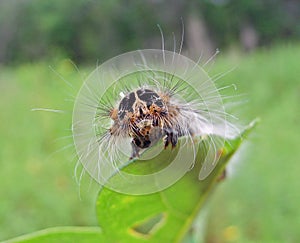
272 19
260 203
89 30
37 159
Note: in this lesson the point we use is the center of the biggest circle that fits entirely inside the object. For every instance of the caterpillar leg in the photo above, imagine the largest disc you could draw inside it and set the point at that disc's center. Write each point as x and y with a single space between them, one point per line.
172 137
135 150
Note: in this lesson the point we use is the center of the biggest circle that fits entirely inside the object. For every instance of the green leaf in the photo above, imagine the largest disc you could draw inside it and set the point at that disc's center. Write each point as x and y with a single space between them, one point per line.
62 234
164 216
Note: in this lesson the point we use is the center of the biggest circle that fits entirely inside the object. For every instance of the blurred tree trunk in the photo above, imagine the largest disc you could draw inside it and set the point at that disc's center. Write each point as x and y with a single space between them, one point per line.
199 42
248 37
8 27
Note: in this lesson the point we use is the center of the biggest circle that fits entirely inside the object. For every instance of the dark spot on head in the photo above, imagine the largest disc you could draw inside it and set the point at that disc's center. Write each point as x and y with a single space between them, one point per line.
147 143
159 103
141 111
137 142
149 97
142 142
126 105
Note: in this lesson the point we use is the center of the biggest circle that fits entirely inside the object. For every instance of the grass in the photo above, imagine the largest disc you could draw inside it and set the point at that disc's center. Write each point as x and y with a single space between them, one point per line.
38 188
261 202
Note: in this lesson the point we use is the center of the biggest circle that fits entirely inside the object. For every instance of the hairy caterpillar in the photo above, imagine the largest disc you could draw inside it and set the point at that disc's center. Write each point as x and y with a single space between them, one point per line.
139 99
